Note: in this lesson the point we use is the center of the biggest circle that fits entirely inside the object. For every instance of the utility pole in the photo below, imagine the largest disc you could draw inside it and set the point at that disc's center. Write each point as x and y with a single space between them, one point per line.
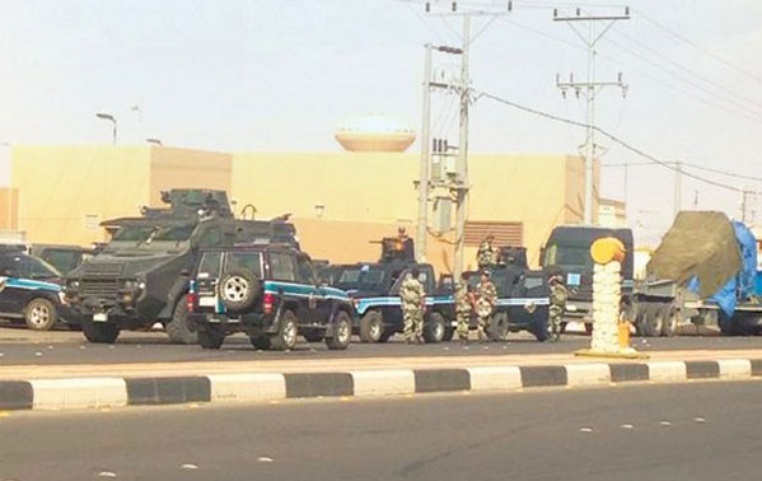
589 89
457 184
678 200
744 204
461 189
425 167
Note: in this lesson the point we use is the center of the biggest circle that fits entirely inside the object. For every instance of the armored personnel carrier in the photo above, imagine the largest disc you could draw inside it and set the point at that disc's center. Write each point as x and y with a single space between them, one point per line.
141 276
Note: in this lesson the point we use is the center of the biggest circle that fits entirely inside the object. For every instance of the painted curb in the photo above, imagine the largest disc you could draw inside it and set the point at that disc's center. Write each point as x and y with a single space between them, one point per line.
108 392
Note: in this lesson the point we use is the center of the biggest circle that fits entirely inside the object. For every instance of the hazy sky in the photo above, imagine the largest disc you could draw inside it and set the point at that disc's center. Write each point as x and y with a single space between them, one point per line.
281 75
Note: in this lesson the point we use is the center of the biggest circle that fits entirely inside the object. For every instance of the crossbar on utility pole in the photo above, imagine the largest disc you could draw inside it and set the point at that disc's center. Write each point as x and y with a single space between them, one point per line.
590 89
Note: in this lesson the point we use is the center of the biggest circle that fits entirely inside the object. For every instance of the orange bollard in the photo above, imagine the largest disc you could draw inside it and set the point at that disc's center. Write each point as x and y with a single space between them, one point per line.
623 334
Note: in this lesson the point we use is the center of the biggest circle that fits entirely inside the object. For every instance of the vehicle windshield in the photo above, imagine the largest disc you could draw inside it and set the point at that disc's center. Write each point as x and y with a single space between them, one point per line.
131 233
147 234
172 234
361 278
568 258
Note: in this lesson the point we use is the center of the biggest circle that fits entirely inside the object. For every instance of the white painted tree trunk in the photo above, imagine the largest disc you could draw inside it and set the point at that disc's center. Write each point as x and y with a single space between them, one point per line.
607 291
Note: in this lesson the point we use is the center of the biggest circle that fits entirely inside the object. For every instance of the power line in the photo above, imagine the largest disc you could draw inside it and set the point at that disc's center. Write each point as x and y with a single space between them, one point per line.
692 166
613 138
690 71
700 48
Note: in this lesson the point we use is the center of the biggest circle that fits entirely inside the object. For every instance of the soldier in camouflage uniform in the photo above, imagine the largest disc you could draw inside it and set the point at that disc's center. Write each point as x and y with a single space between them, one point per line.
486 256
485 304
413 298
558 296
464 308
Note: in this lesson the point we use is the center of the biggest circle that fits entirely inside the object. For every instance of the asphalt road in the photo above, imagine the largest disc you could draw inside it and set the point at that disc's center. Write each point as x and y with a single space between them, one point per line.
697 432
19 346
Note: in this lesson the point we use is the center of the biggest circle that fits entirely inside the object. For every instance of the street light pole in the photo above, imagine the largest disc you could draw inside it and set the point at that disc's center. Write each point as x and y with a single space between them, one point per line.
109 117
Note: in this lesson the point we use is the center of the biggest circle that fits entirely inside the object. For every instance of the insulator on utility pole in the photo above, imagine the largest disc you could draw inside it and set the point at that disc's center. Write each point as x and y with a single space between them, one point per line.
454 6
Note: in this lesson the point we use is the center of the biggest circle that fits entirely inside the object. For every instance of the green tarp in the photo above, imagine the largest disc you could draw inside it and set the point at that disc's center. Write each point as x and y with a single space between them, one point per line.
699 244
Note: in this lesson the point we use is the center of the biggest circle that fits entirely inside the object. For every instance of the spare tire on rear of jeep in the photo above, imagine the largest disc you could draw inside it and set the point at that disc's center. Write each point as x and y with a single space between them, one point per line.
238 289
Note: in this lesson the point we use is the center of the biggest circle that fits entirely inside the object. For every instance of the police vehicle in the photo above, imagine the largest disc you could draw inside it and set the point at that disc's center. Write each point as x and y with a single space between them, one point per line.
375 287
269 292
30 289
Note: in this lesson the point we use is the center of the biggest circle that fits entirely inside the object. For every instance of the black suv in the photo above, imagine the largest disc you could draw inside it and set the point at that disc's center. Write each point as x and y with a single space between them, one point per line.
269 292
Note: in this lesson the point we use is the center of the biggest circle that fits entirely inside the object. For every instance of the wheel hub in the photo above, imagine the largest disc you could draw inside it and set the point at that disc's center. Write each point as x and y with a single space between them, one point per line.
235 289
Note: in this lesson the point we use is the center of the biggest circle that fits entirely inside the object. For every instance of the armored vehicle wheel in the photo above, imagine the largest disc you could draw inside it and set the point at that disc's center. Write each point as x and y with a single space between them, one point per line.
285 338
210 338
178 329
498 327
100 332
342 333
539 329
434 328
40 314
260 342
238 289
371 327
312 335
448 334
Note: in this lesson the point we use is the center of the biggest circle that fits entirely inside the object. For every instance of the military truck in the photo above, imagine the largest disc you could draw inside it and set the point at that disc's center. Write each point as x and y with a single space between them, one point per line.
141 276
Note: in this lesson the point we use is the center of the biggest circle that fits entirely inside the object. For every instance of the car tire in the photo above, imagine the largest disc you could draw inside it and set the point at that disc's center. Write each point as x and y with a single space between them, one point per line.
434 328
238 289
40 314
498 327
288 332
210 338
670 321
448 334
100 332
178 329
371 327
261 343
342 332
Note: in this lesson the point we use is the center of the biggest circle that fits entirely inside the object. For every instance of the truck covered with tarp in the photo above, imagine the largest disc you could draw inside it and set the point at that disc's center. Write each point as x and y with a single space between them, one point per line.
705 271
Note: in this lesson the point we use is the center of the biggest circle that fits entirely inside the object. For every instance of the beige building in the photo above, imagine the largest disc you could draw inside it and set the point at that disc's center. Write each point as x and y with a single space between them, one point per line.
340 202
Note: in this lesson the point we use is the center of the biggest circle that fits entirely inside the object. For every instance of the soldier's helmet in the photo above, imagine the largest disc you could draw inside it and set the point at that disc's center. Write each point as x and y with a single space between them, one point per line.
401 230
485 272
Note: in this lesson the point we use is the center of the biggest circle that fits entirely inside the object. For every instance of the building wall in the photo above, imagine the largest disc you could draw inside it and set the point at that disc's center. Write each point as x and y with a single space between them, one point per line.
340 202
187 169
9 203
65 192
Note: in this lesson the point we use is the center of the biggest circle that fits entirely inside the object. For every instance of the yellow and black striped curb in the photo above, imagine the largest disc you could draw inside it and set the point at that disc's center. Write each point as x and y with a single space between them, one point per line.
103 392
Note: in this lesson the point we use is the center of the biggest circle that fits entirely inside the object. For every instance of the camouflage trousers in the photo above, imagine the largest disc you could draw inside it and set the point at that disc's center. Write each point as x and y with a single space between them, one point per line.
484 317
463 319
413 327
555 314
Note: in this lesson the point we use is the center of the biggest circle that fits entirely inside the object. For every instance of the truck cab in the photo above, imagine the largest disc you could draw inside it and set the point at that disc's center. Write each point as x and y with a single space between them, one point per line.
568 250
